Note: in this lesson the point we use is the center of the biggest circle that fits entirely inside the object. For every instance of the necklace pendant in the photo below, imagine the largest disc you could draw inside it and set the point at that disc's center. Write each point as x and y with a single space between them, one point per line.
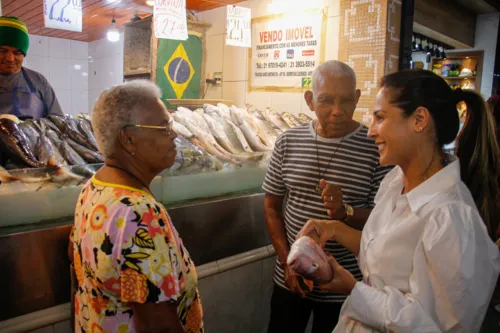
318 189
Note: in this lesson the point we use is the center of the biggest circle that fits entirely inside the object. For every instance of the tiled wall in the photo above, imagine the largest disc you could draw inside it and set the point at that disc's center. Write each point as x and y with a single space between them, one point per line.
65 65
369 42
233 61
105 67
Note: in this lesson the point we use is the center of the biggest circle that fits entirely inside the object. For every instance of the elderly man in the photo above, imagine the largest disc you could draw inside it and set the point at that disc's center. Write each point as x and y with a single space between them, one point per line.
23 92
328 168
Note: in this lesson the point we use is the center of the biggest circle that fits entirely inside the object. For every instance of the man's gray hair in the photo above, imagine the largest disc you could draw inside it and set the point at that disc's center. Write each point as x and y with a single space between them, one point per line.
332 68
119 106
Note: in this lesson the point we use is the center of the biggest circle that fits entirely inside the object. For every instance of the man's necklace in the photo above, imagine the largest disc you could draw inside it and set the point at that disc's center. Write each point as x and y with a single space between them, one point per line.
320 176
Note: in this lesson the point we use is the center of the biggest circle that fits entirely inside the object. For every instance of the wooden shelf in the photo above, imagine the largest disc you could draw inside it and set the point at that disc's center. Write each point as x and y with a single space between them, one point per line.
137 72
459 77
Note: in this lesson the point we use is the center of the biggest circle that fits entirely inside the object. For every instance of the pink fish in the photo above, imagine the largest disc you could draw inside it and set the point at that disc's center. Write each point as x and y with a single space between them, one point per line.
308 259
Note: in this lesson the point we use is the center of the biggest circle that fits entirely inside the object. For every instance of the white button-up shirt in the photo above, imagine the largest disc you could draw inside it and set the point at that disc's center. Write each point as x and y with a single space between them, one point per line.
427 260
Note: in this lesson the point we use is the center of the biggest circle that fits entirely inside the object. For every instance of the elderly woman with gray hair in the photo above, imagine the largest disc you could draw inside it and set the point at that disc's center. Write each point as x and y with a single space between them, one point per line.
133 272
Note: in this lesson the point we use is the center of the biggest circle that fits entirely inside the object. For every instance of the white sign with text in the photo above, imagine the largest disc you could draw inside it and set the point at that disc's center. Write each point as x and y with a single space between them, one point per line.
64 15
170 19
238 31
285 50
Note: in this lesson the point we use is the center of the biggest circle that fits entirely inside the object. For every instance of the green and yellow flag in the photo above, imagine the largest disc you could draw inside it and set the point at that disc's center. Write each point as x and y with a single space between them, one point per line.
179 68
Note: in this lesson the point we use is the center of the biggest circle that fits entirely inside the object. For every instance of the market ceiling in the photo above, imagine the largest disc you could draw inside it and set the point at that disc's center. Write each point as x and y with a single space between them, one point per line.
97 15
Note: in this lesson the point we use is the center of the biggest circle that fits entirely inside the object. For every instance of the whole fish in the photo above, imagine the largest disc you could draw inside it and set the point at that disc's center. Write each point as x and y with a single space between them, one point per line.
219 134
248 131
181 130
59 121
31 134
35 124
46 152
16 144
309 260
70 154
304 119
224 111
203 135
56 142
72 130
276 119
49 124
290 119
88 155
86 127
199 111
260 120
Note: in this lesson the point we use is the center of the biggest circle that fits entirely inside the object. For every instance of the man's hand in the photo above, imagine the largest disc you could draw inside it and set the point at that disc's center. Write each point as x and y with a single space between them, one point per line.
343 281
334 202
291 281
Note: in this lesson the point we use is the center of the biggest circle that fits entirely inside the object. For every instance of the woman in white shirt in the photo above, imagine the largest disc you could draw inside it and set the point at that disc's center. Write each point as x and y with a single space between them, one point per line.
428 261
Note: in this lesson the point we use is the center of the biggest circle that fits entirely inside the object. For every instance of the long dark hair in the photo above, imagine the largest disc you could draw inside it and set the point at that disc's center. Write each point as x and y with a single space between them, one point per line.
476 146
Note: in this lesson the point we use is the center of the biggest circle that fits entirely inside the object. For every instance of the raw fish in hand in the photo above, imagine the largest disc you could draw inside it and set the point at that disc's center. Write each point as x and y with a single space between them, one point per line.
308 259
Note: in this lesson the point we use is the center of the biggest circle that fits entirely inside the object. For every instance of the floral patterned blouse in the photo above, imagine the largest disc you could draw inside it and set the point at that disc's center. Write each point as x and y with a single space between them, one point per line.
127 250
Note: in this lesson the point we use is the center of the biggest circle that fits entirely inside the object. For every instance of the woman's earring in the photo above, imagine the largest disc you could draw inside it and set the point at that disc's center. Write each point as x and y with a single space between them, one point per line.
420 129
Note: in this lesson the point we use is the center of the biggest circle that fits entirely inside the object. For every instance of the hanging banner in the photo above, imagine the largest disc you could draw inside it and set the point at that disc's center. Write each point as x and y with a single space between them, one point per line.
170 19
238 26
285 50
64 15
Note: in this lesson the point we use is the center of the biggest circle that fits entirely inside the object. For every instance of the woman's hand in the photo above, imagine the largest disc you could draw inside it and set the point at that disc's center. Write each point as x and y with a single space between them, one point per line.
292 282
343 281
320 230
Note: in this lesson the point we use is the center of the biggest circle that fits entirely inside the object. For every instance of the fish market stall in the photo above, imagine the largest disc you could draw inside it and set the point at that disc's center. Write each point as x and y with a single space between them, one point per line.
212 192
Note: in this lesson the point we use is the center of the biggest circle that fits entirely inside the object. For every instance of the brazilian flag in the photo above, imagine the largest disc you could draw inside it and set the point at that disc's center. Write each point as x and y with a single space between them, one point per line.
179 68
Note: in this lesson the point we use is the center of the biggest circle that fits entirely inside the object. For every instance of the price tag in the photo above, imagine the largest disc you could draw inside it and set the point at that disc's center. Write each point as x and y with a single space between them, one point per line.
238 26
306 82
170 19
64 15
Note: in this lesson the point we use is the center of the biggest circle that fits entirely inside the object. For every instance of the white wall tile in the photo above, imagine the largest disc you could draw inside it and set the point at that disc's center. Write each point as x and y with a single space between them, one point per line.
60 73
259 7
214 92
79 50
290 102
234 91
39 64
79 74
217 17
260 100
79 102
64 98
332 38
39 46
235 63
215 53
59 48
333 7
93 95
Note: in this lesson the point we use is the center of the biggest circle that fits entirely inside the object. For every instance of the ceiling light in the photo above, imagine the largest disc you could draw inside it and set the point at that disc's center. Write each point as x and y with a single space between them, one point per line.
150 3
113 33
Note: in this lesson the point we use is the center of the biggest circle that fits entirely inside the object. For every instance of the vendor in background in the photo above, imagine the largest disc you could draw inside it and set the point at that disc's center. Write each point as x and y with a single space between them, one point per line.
334 149
133 272
23 92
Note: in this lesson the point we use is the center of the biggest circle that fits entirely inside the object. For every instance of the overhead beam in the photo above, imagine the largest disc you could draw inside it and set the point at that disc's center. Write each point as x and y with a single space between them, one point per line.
446 21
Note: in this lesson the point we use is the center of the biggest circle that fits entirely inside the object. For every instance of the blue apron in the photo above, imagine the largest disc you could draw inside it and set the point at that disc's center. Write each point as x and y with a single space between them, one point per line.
22 102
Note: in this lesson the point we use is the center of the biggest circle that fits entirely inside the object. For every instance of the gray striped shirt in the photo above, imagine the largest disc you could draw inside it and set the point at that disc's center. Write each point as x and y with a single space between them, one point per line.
293 171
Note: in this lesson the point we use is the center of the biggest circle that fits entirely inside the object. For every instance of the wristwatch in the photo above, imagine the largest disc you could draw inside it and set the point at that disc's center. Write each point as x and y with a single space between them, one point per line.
349 212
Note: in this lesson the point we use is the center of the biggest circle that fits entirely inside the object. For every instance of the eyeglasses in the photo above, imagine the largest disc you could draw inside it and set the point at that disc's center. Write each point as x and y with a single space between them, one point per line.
167 128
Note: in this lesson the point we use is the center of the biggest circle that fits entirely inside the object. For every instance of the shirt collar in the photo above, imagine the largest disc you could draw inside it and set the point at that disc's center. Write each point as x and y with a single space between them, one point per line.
428 190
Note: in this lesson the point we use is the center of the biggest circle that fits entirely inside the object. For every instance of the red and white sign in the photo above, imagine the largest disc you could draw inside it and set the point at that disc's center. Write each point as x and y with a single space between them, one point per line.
170 19
308 53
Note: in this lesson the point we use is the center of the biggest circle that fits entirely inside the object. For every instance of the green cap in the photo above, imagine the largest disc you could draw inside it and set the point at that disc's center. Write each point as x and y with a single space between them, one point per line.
14 33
